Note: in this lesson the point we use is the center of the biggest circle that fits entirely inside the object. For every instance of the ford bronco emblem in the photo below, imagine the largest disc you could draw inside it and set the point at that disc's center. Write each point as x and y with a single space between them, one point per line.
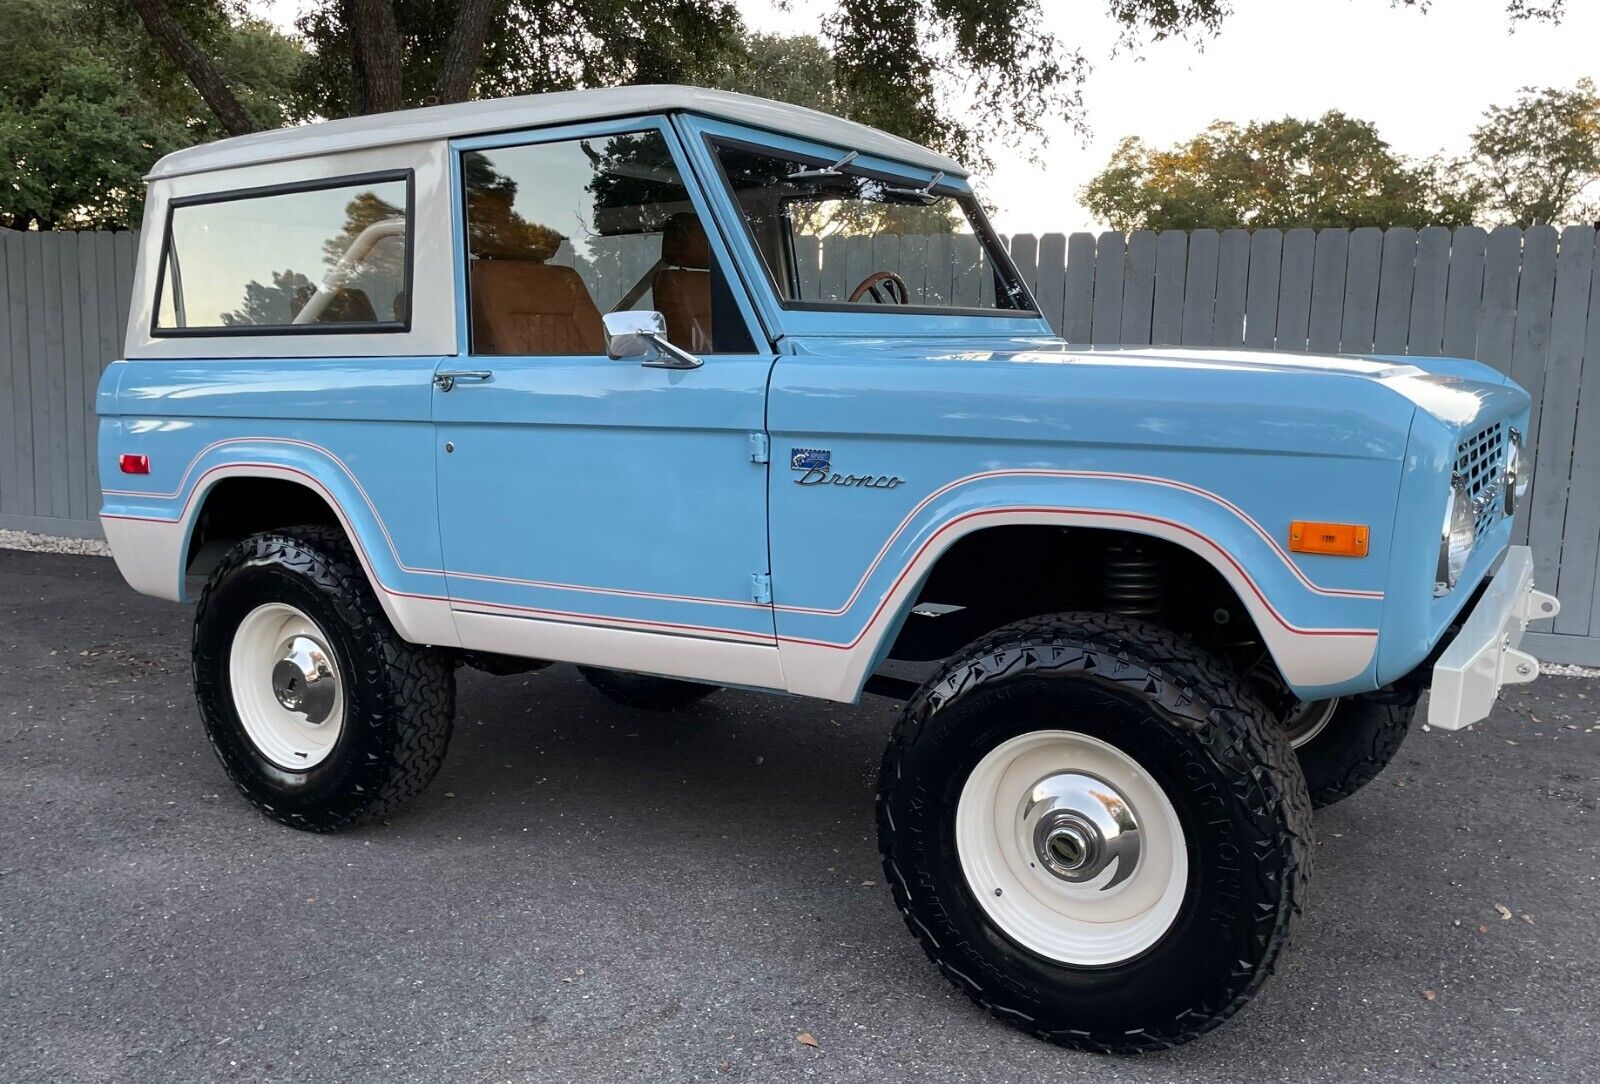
816 467
810 459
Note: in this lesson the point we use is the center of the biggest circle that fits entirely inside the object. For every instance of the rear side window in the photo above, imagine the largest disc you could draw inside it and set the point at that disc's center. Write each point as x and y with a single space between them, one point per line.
328 257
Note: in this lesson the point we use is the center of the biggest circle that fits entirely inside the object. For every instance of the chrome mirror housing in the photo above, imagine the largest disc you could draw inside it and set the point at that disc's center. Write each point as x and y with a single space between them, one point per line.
634 333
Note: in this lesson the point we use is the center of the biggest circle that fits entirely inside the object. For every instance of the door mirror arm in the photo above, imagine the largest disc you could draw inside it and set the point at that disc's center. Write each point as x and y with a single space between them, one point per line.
643 335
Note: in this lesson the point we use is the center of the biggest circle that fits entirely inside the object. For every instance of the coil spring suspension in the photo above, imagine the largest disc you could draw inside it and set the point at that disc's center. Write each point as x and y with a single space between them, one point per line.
1133 585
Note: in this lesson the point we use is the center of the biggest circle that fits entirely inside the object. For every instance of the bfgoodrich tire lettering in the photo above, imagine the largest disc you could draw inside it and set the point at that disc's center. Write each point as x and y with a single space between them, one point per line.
1219 757
398 698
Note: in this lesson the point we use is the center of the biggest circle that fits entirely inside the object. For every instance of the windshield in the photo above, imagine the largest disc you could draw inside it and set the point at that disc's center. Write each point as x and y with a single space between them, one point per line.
837 237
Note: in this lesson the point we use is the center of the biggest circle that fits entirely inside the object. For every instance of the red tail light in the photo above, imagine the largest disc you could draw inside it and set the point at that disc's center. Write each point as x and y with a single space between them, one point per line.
134 464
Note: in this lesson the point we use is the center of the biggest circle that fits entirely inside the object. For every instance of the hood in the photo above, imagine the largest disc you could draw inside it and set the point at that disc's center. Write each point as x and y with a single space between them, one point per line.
1457 391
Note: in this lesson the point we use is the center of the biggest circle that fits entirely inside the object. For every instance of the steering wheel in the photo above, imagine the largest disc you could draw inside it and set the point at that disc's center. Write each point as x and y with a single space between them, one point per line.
885 287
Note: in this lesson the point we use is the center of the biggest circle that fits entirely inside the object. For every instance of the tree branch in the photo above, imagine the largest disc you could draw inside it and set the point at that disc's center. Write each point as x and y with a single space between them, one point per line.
375 52
464 50
199 68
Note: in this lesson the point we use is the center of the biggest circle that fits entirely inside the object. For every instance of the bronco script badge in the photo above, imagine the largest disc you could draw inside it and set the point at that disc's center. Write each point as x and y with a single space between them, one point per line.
816 469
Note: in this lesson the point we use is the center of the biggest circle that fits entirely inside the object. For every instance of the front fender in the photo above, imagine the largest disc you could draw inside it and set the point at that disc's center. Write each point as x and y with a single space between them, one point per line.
1322 637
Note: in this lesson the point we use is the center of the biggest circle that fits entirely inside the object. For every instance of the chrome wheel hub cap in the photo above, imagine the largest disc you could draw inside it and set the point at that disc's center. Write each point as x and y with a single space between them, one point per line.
1081 826
304 679
287 688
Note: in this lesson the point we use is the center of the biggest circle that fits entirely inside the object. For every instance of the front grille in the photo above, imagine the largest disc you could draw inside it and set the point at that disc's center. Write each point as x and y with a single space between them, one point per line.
1480 461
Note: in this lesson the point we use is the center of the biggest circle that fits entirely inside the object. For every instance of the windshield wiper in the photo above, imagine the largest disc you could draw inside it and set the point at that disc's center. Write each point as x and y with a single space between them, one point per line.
835 170
923 195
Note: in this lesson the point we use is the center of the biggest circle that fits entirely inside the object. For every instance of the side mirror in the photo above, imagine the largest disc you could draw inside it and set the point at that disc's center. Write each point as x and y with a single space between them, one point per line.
633 333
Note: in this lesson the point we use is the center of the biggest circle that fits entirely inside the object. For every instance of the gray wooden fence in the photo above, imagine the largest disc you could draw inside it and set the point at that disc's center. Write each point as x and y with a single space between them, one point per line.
1526 303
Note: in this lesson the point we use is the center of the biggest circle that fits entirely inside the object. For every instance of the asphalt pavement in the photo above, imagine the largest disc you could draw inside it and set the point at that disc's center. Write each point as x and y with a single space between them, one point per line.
590 893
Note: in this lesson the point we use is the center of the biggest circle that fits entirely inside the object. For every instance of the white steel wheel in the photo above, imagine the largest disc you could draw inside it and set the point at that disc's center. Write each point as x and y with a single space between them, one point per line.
1071 848
286 686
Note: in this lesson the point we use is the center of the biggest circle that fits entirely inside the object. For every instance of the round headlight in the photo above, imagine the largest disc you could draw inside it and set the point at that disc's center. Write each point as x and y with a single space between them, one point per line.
1518 475
1459 535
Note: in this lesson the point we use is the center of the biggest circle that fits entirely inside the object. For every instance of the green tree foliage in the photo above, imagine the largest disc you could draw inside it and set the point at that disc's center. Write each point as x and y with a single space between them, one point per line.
1538 155
1333 171
87 106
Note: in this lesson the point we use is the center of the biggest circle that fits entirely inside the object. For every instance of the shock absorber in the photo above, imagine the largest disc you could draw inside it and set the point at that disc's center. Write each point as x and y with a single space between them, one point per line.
1132 576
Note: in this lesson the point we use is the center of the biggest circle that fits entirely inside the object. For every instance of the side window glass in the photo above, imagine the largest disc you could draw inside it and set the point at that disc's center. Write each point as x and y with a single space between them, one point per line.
327 258
558 233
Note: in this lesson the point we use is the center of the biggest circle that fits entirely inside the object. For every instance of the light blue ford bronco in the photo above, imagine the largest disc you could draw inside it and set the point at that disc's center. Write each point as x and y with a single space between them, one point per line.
697 390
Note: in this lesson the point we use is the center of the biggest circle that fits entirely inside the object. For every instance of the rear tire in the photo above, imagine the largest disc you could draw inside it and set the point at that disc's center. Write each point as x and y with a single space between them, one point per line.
320 713
644 692
1050 934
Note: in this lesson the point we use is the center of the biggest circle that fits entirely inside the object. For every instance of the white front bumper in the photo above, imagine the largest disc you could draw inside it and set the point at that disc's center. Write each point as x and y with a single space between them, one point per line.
1484 655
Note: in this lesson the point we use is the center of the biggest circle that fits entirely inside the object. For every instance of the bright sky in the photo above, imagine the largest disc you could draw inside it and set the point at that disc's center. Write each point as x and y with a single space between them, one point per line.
1424 79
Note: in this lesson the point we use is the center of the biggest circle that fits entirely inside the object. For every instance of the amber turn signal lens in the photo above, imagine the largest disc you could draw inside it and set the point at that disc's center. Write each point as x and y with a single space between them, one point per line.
1337 539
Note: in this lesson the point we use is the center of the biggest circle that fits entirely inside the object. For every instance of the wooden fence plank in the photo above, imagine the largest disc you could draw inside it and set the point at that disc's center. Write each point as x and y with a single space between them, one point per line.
1294 290
1139 288
939 282
1327 290
1580 550
1261 291
808 262
1110 256
1502 262
1463 305
19 490
1077 315
1200 288
913 257
1233 267
1396 278
1024 251
1425 334
72 304
1530 347
1051 291
11 397
1166 320
127 245
1360 306
1552 476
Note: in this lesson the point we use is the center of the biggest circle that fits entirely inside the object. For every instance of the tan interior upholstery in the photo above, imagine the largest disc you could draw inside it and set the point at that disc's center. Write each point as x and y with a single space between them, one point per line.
683 288
520 303
528 307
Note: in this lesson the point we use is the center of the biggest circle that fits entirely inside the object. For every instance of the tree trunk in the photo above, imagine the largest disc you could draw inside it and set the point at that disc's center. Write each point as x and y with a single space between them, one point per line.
176 43
375 51
464 50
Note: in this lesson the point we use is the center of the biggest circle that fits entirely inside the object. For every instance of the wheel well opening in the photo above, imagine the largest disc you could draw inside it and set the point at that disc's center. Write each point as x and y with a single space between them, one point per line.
237 508
1002 574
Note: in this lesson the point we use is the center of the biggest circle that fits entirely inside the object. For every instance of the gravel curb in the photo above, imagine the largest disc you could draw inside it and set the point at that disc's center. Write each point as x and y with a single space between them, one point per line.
41 543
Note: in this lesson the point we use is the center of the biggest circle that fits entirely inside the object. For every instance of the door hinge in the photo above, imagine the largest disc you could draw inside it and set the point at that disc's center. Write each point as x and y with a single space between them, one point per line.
761 587
760 448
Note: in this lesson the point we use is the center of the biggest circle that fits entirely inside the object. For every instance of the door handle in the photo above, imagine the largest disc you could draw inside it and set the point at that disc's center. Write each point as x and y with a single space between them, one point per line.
446 379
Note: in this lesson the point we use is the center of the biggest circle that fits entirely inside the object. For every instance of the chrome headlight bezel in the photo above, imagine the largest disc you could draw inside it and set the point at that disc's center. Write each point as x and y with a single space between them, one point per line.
1517 476
1459 535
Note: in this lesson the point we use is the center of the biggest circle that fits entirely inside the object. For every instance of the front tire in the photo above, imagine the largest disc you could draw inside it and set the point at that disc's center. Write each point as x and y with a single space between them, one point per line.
1095 832
319 712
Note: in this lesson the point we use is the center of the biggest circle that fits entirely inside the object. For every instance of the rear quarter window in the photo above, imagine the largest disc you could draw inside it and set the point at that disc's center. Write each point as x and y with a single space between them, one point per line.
323 257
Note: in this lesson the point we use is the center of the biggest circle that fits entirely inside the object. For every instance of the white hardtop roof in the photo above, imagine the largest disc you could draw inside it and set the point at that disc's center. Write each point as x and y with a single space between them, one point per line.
538 110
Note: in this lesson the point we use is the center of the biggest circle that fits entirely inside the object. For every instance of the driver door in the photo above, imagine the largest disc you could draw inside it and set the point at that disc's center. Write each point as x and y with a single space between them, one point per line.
597 510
